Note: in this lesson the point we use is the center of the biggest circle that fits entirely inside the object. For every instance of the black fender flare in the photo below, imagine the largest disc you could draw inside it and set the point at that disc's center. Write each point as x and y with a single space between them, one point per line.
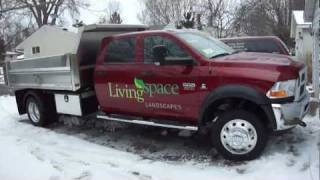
242 92
21 98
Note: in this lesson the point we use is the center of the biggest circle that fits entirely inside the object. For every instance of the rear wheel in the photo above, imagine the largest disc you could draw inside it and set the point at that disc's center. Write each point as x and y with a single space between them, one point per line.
33 111
239 135
39 112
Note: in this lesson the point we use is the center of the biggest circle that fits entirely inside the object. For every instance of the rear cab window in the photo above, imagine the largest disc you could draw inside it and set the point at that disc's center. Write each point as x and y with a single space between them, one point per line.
122 50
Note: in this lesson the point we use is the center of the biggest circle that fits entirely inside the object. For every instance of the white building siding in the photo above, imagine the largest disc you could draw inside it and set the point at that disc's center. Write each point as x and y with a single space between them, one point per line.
300 31
304 45
316 18
316 47
49 41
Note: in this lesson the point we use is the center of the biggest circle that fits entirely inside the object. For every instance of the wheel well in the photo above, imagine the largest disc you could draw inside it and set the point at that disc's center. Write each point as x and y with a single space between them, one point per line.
220 106
22 95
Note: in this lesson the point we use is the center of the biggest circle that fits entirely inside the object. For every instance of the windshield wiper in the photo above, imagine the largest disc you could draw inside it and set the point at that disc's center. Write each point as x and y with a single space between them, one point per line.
220 55
237 51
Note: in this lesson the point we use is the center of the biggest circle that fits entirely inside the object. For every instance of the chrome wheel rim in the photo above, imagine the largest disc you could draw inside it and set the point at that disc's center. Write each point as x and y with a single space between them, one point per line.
238 136
34 112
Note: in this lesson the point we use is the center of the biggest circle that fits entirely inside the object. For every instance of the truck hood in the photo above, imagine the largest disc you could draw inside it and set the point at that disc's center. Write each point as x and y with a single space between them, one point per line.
261 58
280 67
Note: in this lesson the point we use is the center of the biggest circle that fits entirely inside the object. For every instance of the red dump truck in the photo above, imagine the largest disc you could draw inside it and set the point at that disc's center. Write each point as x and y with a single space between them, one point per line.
171 78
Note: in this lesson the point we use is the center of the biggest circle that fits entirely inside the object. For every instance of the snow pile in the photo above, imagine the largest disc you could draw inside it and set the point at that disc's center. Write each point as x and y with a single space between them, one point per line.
60 152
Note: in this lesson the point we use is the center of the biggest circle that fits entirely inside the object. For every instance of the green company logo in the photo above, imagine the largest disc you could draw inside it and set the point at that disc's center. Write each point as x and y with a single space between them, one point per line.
141 89
139 83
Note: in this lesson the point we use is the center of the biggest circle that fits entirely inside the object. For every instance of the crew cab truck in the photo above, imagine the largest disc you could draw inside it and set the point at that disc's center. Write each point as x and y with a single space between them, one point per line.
172 78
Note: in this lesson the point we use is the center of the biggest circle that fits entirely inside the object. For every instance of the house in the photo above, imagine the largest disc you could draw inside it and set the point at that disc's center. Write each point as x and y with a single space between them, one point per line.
300 32
48 41
312 14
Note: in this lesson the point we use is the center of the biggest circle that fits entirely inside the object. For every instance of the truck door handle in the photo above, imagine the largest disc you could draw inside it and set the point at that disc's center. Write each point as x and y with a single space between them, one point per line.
101 73
146 73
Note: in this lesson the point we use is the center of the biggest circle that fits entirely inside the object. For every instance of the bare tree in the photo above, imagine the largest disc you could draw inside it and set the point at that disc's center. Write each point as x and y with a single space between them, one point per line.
219 15
113 6
115 18
252 18
20 18
267 17
44 11
163 12
15 26
113 12
188 21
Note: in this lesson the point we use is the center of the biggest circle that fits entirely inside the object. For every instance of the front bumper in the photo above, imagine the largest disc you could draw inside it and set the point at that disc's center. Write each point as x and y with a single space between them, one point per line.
288 115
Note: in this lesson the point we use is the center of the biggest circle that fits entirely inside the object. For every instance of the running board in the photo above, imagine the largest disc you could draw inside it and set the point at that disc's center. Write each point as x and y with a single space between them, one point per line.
148 123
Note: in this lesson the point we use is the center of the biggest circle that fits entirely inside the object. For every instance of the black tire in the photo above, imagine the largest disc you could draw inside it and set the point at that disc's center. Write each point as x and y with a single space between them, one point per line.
232 118
47 113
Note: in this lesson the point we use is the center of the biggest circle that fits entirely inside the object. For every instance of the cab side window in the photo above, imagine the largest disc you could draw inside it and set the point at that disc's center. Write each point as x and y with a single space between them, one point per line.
174 50
121 51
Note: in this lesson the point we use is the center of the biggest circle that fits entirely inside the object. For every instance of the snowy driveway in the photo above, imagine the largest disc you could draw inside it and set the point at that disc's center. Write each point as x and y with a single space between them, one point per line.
134 152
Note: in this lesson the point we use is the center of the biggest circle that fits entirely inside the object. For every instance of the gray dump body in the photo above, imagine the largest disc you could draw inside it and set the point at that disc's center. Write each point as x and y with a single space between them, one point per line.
72 71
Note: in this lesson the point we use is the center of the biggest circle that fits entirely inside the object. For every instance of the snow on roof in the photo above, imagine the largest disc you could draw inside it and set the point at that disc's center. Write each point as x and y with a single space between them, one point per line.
10 53
298 16
46 29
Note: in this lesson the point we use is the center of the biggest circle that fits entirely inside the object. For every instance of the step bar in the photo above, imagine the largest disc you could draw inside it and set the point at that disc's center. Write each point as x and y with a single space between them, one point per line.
148 123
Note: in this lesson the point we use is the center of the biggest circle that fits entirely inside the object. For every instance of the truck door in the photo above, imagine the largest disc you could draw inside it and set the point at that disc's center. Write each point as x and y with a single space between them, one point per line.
114 77
169 90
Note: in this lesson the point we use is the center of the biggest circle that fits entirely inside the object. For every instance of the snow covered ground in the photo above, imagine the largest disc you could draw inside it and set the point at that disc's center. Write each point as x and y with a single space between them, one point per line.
143 153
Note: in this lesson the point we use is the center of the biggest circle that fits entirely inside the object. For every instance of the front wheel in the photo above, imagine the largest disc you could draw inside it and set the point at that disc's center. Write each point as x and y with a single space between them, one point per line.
239 135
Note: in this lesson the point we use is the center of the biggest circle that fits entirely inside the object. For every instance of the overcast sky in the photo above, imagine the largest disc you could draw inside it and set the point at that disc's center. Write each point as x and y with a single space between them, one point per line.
129 11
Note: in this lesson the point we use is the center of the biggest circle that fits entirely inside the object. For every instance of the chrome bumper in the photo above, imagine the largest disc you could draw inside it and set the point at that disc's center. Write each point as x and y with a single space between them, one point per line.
290 114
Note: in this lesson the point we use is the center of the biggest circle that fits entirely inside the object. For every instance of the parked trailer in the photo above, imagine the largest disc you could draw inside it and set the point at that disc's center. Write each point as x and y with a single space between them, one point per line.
173 78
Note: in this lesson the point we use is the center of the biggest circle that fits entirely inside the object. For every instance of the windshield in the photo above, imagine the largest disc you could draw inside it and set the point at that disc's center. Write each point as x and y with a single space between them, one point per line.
205 44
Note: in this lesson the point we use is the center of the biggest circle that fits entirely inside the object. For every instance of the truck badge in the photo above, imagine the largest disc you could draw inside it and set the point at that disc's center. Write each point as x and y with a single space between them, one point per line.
189 86
203 86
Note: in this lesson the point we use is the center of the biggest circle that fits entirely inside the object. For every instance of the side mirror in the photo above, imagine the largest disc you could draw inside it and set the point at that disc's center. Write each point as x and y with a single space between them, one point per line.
160 52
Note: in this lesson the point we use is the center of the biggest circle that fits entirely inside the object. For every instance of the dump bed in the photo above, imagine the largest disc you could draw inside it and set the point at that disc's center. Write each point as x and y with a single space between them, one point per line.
72 71
55 73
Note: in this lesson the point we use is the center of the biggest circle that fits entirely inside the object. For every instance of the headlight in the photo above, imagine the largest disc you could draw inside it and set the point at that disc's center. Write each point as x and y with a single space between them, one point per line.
282 89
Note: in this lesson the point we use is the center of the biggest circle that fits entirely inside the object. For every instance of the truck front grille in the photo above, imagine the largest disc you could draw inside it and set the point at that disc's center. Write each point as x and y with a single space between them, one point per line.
301 84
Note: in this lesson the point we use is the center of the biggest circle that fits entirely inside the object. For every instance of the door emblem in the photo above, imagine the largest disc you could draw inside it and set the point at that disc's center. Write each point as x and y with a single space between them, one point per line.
189 86
203 86
140 89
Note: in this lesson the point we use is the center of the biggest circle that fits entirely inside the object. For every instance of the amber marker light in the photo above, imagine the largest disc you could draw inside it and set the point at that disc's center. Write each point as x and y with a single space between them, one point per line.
278 93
